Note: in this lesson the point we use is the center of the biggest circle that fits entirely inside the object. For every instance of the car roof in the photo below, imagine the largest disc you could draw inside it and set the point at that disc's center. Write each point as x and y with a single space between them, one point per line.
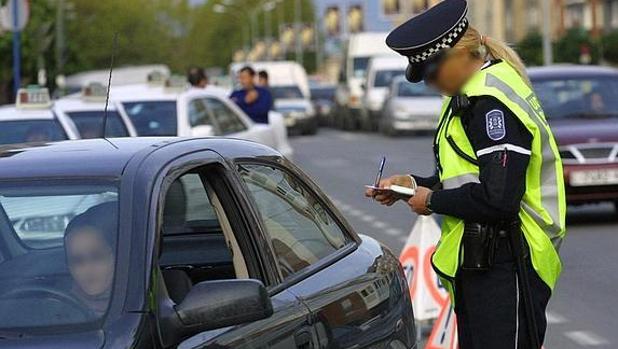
144 92
388 62
77 103
571 70
103 157
11 113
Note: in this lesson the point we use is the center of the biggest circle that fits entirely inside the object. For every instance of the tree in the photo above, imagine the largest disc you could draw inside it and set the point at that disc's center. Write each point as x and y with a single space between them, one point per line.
575 44
530 48
610 47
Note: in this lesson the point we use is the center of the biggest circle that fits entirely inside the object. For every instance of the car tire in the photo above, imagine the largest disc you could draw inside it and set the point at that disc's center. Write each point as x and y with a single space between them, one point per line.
386 128
616 207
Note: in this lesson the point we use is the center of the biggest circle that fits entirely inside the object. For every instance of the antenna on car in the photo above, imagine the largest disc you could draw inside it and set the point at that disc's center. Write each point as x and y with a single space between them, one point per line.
109 84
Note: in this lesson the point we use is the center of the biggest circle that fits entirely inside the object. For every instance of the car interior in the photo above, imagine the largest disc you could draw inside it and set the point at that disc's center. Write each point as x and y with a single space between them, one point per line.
198 243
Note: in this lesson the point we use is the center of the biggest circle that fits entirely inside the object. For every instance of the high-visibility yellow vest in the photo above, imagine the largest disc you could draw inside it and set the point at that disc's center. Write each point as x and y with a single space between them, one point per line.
543 206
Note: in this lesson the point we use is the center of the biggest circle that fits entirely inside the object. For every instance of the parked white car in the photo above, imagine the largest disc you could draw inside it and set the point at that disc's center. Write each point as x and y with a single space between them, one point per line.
87 109
32 119
192 112
380 74
410 107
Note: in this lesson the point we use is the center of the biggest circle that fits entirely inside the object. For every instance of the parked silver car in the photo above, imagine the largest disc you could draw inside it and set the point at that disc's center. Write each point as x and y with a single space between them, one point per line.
409 107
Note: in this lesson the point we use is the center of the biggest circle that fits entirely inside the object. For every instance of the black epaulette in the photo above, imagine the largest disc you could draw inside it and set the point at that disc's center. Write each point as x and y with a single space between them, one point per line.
461 104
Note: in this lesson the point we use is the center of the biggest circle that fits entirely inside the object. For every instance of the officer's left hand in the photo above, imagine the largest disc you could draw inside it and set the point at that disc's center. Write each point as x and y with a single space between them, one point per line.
418 202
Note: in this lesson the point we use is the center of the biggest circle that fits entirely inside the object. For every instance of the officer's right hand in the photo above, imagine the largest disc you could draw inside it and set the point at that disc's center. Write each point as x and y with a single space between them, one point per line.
386 197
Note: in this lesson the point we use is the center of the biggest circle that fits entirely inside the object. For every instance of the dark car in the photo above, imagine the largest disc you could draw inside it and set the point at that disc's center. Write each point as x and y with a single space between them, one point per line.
581 105
323 99
188 243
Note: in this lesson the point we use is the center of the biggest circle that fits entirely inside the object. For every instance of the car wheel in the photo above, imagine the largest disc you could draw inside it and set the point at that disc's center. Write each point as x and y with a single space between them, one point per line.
616 207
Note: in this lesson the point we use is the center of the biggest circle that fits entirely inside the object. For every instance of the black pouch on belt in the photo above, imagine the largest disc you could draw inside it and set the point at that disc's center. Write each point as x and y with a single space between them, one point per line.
479 244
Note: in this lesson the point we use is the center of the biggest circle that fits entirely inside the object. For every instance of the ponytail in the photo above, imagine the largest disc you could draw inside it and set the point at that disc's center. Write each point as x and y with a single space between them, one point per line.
499 50
485 47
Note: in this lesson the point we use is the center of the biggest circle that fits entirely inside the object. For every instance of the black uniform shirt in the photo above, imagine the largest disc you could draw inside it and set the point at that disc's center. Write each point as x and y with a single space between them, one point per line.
502 145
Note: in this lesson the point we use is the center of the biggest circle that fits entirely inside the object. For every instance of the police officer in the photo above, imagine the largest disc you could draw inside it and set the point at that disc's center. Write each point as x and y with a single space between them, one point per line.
499 182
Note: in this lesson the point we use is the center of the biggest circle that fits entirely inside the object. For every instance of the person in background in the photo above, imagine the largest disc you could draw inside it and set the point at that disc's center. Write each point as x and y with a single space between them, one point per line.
254 100
263 79
197 77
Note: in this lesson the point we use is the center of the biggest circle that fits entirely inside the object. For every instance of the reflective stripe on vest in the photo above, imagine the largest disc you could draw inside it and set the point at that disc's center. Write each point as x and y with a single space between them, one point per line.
458 181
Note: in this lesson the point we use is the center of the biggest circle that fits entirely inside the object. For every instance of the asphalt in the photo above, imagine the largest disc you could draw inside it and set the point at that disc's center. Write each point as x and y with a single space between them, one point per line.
583 309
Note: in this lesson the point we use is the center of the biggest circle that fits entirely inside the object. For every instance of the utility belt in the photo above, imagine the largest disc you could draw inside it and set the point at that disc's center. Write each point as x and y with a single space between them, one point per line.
484 244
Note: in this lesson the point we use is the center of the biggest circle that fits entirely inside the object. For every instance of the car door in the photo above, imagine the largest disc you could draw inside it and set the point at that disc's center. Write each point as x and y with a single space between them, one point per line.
232 124
353 286
201 121
198 211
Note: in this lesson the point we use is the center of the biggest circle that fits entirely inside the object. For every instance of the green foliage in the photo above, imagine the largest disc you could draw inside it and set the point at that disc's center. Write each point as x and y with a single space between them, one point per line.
610 47
530 48
569 48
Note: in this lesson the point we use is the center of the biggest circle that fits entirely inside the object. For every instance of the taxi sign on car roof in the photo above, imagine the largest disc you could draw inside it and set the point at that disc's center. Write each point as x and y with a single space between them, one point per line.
94 92
175 83
33 97
156 78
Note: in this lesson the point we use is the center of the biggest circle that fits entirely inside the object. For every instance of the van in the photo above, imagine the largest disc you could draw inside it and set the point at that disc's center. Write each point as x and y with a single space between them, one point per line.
361 47
380 74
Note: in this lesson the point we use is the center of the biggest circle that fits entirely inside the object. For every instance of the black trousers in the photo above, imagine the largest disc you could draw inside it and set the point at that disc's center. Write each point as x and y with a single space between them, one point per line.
489 305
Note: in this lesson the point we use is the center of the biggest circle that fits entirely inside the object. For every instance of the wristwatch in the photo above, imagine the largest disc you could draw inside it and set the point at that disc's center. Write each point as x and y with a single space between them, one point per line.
428 202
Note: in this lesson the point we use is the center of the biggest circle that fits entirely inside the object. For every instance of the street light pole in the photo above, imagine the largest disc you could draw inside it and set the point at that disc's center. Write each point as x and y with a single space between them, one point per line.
16 48
297 29
547 49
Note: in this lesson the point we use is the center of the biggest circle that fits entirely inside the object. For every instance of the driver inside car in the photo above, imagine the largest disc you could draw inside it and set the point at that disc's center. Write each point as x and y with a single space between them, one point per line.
90 240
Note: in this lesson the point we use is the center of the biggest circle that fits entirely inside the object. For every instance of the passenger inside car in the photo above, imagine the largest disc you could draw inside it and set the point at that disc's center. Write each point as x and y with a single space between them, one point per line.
89 245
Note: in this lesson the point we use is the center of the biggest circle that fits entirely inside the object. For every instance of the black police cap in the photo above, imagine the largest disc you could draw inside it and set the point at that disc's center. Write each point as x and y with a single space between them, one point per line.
426 35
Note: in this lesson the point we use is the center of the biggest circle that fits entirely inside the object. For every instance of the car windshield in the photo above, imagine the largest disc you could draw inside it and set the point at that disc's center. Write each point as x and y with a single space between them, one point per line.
406 89
384 78
286 92
57 248
359 65
22 131
323 93
568 97
153 118
89 124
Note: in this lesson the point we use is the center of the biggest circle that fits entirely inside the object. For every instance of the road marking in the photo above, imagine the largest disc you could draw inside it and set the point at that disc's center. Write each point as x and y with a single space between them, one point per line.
555 318
393 231
354 212
367 218
585 338
379 225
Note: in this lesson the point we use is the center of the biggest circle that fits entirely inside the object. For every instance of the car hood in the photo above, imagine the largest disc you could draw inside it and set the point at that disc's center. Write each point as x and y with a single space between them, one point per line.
576 131
419 105
92 339
292 103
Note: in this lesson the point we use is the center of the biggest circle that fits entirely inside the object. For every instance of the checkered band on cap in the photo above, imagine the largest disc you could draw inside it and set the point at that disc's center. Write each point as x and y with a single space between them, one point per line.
446 42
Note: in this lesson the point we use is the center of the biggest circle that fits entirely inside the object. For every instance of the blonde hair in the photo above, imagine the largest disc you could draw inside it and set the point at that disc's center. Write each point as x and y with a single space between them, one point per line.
484 47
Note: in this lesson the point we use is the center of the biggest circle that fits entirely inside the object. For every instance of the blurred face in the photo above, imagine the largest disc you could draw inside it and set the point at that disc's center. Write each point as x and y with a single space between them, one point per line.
245 79
91 261
454 70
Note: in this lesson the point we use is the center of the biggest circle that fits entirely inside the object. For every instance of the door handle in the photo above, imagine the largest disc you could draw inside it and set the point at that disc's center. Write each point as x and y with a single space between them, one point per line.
303 339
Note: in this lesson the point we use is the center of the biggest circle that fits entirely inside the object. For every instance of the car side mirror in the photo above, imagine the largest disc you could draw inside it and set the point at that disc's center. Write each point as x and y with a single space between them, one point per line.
211 305
203 131
364 86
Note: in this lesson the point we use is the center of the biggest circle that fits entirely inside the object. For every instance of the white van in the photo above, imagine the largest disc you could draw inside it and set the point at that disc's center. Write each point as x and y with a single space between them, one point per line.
361 48
380 74
289 86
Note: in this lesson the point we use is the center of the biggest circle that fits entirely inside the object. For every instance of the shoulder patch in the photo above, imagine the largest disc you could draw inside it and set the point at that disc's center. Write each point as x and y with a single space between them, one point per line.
494 124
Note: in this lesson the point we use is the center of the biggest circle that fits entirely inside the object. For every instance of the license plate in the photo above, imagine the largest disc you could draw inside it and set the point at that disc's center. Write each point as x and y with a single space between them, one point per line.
594 177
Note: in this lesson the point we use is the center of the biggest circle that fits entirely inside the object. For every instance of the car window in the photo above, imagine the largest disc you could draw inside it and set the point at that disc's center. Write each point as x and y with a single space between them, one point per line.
227 120
359 66
407 89
577 97
22 131
89 124
63 271
198 113
286 92
383 78
153 118
301 229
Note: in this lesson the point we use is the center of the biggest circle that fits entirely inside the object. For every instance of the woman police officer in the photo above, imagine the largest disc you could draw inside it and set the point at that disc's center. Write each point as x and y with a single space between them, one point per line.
499 181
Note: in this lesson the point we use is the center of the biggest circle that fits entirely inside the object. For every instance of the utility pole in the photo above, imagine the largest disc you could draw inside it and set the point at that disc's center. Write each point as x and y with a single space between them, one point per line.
16 48
60 42
547 49
297 29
